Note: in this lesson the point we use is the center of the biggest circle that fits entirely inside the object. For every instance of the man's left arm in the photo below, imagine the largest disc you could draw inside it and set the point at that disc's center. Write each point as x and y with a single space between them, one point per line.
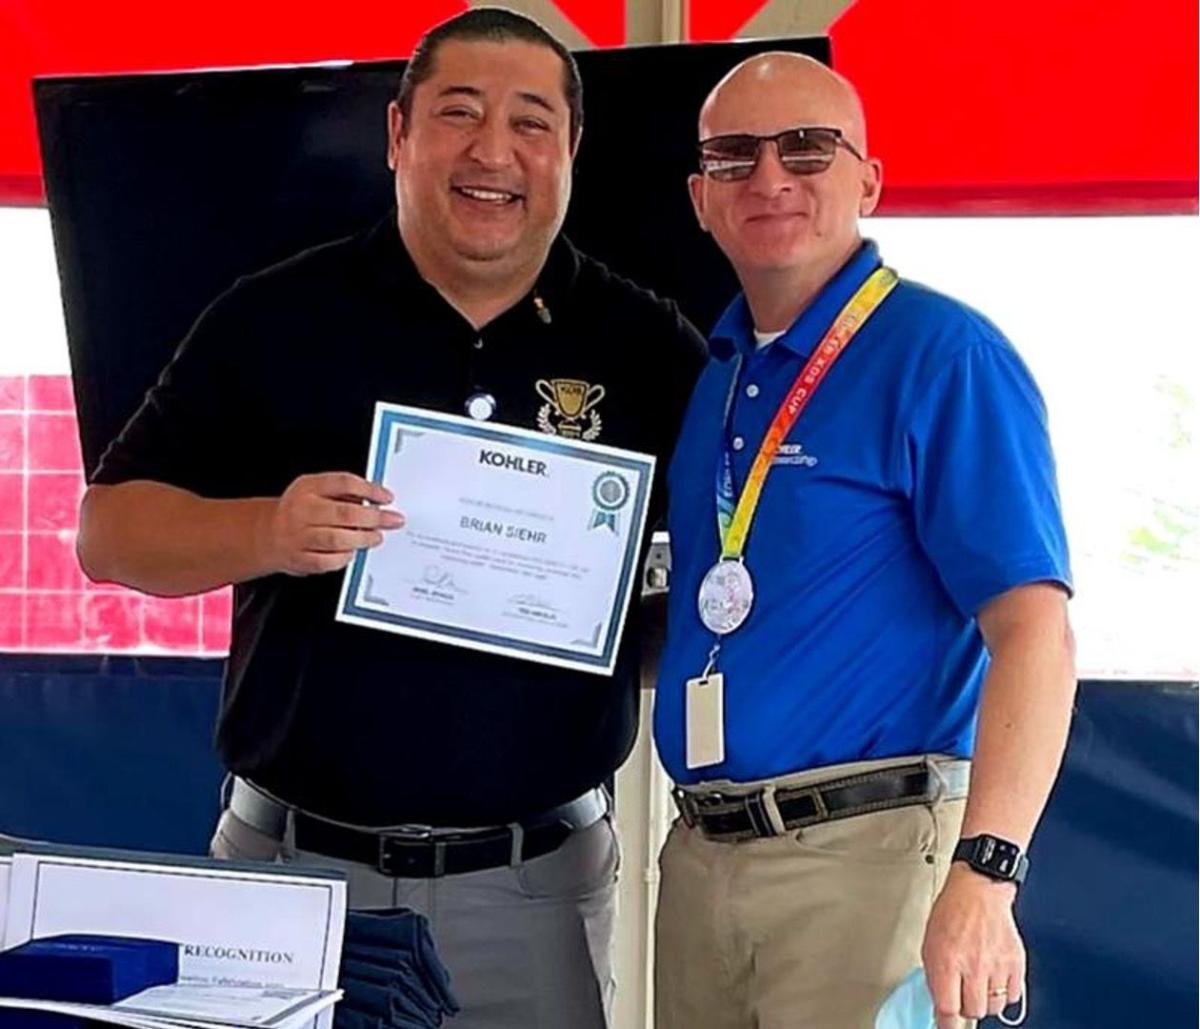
972 947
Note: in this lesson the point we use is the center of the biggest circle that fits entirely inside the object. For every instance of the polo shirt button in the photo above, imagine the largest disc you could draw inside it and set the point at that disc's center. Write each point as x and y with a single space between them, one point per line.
738 442
479 344
752 391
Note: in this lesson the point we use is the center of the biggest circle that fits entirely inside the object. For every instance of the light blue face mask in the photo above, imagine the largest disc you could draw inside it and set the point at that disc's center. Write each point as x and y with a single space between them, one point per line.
910 1006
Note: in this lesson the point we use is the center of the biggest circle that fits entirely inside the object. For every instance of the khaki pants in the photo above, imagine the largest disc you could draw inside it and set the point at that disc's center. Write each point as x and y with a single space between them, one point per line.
809 930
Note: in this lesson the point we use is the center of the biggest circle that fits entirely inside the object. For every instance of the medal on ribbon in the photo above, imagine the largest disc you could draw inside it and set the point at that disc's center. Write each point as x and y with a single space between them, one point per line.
726 596
726 593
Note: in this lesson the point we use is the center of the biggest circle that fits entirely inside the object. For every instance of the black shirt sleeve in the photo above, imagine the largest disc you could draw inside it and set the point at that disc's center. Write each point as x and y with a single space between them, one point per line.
690 353
683 354
195 427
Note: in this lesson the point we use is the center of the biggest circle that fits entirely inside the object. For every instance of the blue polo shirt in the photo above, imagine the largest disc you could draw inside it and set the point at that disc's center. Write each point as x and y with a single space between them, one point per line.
917 485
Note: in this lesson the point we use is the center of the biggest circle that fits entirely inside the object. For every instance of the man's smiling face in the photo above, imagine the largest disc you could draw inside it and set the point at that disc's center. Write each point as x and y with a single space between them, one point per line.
775 220
483 164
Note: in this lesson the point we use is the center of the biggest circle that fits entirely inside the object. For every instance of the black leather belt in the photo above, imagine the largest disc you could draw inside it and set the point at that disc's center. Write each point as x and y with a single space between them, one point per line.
744 816
419 851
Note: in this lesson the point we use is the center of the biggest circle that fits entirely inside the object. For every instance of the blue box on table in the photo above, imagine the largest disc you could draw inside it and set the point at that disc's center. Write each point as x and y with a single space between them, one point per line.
85 969
17 1018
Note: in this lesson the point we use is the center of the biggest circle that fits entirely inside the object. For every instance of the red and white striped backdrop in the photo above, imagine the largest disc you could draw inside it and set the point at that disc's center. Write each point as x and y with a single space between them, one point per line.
1025 107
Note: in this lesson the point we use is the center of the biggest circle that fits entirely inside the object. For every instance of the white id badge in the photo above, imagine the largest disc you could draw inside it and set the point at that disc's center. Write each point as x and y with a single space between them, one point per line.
706 720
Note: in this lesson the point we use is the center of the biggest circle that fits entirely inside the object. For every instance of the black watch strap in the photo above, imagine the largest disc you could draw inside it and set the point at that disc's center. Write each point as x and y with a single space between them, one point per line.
996 858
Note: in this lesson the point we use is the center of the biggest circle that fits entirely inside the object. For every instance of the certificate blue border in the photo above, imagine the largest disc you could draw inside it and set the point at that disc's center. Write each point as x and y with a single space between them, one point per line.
549 444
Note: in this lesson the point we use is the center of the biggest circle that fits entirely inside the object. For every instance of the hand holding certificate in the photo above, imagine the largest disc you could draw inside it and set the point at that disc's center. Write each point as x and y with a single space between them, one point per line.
321 520
515 542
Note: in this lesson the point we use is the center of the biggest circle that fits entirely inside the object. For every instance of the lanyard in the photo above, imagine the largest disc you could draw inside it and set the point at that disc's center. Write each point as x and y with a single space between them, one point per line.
733 521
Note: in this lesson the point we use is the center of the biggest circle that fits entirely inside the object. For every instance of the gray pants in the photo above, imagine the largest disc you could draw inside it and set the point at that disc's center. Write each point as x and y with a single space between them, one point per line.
527 946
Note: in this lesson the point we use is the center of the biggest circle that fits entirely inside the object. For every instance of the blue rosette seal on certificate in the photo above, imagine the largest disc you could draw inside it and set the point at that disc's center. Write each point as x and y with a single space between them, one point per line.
611 493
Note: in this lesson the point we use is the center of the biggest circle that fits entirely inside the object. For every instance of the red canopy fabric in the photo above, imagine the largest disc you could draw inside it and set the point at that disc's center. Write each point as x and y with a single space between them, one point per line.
1080 106
67 37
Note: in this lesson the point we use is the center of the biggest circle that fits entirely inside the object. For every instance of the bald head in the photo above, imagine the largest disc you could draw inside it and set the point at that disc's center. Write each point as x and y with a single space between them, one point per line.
774 91
786 224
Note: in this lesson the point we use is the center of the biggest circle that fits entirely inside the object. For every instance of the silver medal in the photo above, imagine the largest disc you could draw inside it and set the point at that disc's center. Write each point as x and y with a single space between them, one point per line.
726 596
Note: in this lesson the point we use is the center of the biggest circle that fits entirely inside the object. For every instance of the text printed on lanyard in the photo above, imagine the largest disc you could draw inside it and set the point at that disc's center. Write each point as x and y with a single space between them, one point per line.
734 528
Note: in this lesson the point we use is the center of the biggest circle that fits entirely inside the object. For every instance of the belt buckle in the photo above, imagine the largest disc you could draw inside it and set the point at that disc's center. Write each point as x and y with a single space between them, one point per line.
755 806
418 837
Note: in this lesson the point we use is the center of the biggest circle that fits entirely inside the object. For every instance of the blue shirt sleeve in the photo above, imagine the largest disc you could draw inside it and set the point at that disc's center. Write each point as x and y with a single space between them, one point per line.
981 473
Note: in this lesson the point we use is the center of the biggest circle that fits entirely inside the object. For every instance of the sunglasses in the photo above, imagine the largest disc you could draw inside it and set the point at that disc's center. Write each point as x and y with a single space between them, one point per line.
805 150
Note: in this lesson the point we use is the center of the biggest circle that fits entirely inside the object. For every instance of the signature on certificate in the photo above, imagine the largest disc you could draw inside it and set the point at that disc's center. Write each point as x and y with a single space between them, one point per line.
440 578
531 601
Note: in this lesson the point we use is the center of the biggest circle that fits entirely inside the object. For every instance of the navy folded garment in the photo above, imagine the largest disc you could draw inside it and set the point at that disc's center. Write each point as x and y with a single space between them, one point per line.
391 973
402 974
346 1016
384 957
400 998
350 1015
407 933
350 1018
408 1009
371 964
86 969
366 971
399 936
397 928
367 996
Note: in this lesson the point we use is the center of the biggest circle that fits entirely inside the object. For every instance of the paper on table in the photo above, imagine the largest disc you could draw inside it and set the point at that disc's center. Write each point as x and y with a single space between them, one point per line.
202 1007
5 874
242 1006
235 926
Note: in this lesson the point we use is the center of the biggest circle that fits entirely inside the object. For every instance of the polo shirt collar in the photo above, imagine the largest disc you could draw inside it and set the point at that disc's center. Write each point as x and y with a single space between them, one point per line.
734 331
391 261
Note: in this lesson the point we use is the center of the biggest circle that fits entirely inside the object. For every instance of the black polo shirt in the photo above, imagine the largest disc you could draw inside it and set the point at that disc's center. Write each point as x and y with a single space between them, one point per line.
279 378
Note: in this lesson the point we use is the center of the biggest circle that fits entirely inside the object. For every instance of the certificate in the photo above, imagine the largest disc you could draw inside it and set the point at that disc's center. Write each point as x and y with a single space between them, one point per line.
515 542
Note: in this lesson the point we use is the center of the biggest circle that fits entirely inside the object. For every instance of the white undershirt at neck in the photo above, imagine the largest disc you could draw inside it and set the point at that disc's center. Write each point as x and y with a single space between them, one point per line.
762 339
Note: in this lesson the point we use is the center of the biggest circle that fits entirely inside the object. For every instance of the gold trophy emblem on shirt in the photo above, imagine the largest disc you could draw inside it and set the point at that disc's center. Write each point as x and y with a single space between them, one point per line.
569 409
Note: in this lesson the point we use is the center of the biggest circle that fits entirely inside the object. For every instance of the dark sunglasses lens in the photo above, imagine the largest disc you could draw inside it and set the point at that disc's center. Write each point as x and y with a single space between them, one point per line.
807 151
730 157
742 147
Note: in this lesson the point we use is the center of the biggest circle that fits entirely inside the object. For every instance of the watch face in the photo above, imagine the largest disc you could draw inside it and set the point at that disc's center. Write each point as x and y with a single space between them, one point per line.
998 856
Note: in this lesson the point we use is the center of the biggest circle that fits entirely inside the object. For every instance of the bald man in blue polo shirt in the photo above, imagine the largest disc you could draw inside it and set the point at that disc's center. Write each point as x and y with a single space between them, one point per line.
867 682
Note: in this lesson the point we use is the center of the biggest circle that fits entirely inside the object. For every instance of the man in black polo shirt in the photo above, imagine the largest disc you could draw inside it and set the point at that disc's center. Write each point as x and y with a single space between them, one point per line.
241 467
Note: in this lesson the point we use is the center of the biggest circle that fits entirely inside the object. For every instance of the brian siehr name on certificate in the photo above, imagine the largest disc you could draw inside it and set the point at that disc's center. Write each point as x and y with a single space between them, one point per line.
516 463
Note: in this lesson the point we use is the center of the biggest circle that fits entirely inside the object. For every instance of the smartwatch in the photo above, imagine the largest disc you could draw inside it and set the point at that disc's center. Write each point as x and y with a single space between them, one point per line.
996 858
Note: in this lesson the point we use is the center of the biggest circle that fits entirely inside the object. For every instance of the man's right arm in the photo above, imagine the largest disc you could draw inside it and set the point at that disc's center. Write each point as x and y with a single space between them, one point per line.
168 541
